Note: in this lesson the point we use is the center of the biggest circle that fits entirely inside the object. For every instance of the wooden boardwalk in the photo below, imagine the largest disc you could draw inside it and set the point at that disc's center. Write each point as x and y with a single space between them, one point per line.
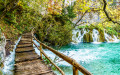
27 62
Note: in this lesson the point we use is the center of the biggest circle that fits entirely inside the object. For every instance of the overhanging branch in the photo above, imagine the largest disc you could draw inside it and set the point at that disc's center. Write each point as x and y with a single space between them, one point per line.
106 13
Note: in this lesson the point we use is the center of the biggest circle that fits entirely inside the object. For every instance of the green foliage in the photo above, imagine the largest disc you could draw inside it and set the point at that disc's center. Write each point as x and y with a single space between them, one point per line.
46 60
91 27
111 31
70 13
55 30
20 16
10 18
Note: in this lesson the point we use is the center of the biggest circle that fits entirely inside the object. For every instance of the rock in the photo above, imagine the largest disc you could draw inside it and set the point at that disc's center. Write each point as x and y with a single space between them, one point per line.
77 34
101 36
88 37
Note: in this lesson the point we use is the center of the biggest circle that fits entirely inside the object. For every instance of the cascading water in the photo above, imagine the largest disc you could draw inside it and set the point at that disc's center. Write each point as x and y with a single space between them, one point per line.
99 59
95 35
2 46
110 38
9 61
79 34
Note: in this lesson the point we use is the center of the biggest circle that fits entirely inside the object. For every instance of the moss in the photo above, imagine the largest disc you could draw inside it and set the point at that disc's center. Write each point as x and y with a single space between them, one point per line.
88 37
91 39
111 31
101 36
77 34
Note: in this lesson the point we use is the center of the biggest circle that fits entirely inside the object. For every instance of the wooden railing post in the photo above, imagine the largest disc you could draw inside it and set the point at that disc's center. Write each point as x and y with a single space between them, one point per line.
41 51
75 71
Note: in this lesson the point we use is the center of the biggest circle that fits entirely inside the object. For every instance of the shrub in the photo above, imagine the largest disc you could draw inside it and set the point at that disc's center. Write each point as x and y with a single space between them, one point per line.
55 30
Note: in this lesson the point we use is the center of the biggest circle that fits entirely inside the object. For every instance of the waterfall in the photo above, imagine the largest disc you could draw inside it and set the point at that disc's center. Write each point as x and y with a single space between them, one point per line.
116 39
2 45
10 61
95 35
109 38
78 35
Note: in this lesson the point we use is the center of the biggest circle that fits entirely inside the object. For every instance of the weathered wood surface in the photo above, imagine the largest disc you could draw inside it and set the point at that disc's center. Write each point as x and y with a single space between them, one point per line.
27 62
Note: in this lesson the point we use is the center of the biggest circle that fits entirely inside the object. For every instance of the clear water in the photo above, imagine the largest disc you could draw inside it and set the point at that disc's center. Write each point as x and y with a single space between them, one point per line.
99 59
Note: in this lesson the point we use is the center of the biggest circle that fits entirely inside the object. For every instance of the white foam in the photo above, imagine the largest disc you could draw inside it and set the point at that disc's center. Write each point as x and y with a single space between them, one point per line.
79 38
9 61
111 39
95 35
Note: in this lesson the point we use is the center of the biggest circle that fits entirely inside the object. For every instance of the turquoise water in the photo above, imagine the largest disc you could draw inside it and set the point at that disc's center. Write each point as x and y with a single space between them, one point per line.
99 59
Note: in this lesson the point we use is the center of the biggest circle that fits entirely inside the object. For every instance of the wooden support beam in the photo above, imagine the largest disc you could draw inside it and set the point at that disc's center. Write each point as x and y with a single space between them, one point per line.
75 71
41 51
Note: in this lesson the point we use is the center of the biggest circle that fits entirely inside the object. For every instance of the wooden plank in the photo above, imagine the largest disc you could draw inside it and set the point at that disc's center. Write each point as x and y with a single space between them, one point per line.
41 51
26 56
35 67
24 45
23 41
24 49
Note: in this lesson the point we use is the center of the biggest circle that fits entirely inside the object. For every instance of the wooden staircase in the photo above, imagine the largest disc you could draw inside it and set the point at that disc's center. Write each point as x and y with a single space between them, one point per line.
27 62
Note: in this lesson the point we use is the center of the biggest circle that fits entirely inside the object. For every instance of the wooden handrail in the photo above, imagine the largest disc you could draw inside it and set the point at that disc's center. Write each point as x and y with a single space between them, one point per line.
76 66
41 51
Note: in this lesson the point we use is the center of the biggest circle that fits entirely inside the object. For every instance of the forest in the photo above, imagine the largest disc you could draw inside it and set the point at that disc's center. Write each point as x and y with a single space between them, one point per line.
58 23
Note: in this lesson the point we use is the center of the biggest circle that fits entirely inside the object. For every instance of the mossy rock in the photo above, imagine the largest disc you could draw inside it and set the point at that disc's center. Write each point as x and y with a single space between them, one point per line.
88 37
101 36
77 34
1 65
82 31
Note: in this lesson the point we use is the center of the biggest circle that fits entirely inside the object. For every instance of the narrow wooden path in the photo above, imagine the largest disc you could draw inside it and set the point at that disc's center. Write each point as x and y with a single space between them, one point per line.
27 62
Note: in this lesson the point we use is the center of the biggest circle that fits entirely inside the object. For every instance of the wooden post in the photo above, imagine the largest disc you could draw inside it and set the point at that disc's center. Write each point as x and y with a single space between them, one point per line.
75 71
41 51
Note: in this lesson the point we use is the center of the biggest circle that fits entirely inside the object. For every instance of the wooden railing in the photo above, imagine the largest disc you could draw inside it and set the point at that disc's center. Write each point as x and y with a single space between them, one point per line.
76 66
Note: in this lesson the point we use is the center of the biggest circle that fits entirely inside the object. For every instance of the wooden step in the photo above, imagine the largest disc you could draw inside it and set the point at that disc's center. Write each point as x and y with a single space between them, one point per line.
24 42
27 34
26 39
30 36
24 49
34 67
24 45
20 57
